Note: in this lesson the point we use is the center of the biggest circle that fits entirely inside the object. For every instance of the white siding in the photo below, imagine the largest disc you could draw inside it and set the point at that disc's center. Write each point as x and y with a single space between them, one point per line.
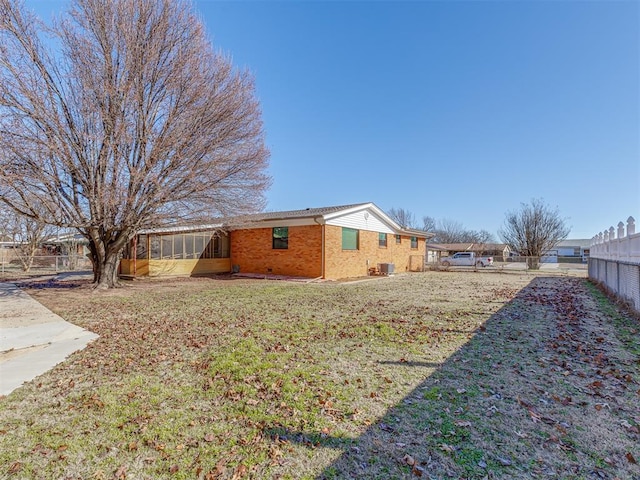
362 220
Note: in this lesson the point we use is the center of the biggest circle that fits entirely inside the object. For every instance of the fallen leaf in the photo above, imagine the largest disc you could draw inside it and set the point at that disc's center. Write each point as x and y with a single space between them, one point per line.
121 473
462 423
446 448
409 460
209 437
417 470
241 471
174 469
630 458
15 467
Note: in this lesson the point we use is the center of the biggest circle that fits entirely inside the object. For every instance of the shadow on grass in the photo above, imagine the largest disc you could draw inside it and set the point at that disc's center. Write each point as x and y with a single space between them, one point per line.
446 426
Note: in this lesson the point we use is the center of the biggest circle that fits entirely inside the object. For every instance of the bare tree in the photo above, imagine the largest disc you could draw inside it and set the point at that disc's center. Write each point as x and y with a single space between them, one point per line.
428 224
533 230
479 236
27 234
450 231
132 122
403 217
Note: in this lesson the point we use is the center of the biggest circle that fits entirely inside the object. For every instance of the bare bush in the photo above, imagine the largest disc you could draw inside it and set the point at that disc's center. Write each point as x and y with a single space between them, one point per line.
534 230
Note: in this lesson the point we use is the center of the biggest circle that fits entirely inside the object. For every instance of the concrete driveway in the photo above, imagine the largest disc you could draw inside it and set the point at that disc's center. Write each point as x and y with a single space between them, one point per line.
33 339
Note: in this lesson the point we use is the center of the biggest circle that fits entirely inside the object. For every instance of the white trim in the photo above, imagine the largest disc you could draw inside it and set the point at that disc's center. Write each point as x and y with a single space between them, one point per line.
289 222
180 229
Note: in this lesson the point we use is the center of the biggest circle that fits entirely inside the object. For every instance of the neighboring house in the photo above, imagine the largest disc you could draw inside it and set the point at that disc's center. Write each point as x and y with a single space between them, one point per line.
435 251
499 250
571 250
330 242
67 244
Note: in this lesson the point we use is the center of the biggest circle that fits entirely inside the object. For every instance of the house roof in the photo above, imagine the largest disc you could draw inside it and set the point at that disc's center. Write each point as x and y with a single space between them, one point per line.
66 238
291 214
326 213
468 247
579 242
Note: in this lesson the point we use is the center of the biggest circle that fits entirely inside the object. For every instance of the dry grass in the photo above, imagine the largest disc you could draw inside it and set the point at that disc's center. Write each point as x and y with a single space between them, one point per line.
435 375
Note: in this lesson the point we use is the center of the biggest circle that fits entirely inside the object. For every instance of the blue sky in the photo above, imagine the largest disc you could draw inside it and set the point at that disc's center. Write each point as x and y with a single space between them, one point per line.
459 110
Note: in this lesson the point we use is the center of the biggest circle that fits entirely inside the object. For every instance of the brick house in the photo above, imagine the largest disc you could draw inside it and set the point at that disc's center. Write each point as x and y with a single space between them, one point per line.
330 242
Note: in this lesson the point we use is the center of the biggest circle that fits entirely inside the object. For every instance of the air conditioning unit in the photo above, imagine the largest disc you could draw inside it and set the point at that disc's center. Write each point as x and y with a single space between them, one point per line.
386 268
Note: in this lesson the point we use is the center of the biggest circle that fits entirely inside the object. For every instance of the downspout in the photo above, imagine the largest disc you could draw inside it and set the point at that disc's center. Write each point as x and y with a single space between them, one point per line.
315 219
135 254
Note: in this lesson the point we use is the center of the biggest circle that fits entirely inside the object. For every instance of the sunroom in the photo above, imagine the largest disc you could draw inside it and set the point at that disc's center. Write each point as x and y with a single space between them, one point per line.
177 252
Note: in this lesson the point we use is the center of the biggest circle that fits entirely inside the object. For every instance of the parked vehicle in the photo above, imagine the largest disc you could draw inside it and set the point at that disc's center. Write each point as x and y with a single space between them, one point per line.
466 259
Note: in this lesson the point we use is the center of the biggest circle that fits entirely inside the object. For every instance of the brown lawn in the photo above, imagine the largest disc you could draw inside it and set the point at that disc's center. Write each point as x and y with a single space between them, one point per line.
432 375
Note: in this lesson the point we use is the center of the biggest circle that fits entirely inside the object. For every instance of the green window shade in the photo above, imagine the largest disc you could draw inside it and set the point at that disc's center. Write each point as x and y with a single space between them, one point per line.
382 240
414 242
349 238
398 239
281 238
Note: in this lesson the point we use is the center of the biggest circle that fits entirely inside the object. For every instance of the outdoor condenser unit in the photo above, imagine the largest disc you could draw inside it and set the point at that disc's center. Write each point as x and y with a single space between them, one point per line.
386 268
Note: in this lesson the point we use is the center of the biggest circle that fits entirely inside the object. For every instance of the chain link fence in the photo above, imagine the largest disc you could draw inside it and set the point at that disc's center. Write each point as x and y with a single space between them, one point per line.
622 279
10 263
547 265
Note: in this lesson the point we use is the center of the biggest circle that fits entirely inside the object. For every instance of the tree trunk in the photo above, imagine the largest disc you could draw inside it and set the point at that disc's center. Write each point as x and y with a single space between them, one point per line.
108 271
533 263
105 260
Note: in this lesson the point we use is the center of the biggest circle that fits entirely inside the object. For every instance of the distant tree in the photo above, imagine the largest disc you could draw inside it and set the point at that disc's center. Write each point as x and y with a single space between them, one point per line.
480 236
402 217
450 231
129 120
428 224
27 234
533 230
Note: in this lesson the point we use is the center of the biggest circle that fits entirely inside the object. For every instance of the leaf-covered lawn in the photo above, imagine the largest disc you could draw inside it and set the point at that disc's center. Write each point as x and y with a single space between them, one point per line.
434 375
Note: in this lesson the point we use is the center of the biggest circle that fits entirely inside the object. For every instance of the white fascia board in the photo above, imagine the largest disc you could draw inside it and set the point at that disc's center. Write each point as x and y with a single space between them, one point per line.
181 229
288 222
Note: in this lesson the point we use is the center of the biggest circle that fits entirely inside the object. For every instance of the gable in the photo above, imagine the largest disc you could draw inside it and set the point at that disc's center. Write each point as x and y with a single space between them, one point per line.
362 219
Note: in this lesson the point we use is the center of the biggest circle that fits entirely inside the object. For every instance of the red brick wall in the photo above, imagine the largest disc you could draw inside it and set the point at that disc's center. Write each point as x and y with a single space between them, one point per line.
353 263
253 251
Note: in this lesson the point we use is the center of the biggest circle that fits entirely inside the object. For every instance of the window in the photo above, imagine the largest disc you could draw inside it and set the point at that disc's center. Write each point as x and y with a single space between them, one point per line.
141 247
414 242
280 240
166 246
382 240
350 238
221 247
398 239
189 246
200 242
